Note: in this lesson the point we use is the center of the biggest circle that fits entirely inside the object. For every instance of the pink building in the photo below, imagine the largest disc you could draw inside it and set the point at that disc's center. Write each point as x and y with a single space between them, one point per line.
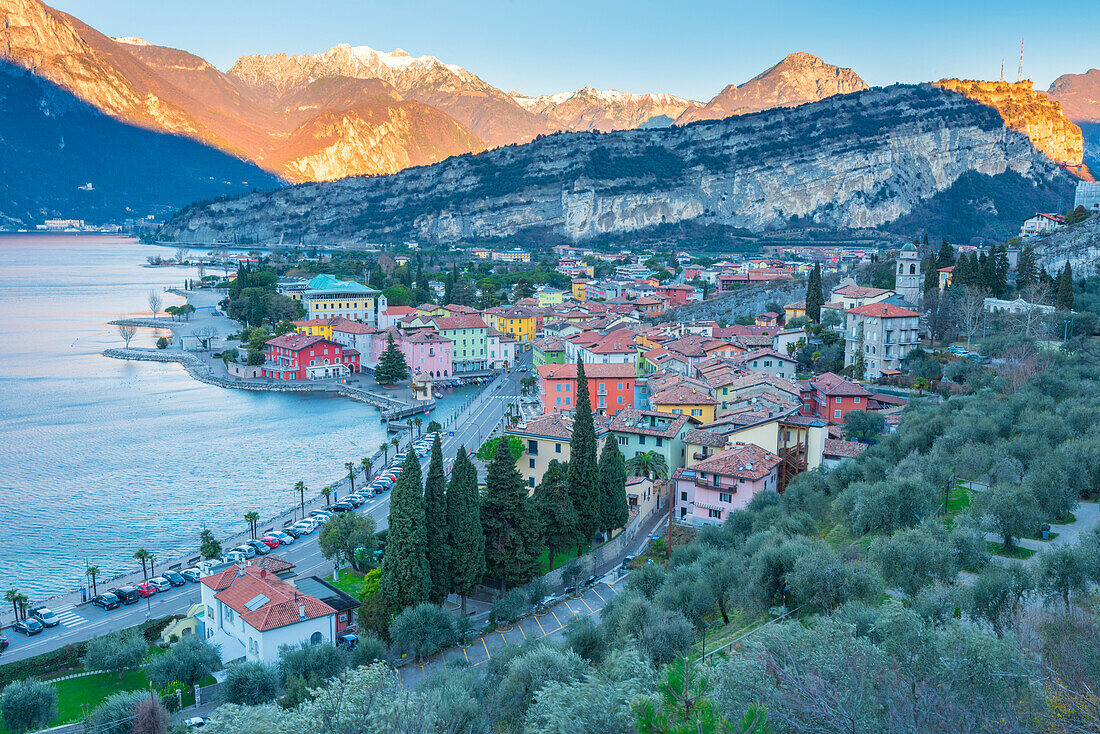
716 486
426 351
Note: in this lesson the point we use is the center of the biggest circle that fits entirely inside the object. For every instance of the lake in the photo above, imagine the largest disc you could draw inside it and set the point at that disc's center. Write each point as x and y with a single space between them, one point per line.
99 457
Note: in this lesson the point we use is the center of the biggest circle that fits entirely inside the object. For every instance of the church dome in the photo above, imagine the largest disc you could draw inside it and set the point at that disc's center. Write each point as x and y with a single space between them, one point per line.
909 247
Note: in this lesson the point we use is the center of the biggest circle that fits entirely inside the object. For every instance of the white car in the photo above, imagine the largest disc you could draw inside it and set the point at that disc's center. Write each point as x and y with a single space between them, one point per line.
248 550
283 538
234 557
305 527
162 584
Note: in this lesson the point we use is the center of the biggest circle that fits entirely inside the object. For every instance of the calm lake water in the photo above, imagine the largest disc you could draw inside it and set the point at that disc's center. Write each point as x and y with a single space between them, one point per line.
99 457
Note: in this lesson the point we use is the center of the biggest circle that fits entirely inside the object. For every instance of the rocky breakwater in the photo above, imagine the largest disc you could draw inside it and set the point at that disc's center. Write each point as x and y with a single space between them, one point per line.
1032 113
850 161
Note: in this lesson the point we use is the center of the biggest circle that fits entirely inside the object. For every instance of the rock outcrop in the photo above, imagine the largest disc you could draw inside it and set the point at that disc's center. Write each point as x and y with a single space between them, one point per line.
1029 112
1077 244
1079 95
797 79
850 161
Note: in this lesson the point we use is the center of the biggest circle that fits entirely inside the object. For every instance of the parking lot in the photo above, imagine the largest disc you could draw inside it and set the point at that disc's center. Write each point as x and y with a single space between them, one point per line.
548 625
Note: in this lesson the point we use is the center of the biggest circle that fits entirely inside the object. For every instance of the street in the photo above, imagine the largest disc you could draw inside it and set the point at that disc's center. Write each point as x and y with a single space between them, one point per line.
80 622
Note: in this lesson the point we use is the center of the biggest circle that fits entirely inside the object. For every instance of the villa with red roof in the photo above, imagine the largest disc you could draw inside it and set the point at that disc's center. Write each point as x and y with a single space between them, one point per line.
298 356
726 481
882 334
610 387
250 612
831 397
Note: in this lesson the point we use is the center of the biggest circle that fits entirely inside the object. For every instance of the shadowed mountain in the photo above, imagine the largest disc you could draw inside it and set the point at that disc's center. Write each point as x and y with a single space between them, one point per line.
52 145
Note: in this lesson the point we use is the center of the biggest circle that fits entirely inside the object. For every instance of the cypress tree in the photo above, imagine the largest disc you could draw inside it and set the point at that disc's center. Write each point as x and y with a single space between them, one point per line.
435 517
391 365
1027 268
556 513
924 240
985 272
405 573
1063 296
946 256
814 296
614 508
465 536
511 529
1000 271
583 477
931 276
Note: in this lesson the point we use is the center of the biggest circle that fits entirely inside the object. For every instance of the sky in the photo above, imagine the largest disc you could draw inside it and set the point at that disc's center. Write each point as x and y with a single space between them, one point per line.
692 48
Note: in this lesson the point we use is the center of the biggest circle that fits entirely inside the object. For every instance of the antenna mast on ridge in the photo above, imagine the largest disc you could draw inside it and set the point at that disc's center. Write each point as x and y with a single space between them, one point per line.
1020 72
1002 70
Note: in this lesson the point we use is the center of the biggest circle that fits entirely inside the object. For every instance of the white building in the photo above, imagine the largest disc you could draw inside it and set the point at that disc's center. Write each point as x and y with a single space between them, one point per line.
1041 224
909 281
998 305
882 333
1088 196
250 612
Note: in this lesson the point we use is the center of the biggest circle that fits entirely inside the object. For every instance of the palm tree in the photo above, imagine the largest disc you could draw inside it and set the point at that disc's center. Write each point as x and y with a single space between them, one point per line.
300 488
396 445
351 474
143 555
385 449
650 464
252 518
418 421
921 383
23 601
11 595
91 572
367 464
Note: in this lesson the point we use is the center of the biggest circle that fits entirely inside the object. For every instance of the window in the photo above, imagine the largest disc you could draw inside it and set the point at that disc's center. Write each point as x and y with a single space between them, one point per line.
567 401
836 413
660 441
641 440
558 401
716 514
557 448
316 638
684 496
677 411
624 440
531 463
620 386
697 411
725 497
837 400
558 386
530 481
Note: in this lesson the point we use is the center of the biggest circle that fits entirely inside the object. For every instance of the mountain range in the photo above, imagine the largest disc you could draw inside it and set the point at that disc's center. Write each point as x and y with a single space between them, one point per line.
351 110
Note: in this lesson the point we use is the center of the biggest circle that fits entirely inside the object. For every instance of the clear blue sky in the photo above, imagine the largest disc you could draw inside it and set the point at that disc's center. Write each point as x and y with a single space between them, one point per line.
688 47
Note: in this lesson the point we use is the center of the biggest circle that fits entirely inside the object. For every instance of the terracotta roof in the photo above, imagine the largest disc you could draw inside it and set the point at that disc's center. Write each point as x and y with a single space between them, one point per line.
569 371
682 395
883 310
354 327
399 311
948 269
557 425
757 353
845 449
271 562
550 344
832 384
747 461
859 291
649 422
262 599
427 307
328 321
459 309
703 437
796 305
459 322
294 342
760 378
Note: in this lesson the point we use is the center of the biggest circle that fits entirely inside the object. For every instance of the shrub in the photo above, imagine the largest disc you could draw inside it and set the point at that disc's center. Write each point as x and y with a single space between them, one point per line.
28 705
249 684
423 630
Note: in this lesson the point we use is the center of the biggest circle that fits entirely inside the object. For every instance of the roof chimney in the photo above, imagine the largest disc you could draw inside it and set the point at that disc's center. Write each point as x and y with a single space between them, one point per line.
301 610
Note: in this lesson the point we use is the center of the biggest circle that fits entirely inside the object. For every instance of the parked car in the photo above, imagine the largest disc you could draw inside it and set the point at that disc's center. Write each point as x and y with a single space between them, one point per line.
342 507
4 642
260 546
195 722
160 583
28 627
247 549
347 641
355 499
192 574
234 557
293 531
282 537
127 594
46 616
323 515
145 589
106 602
174 578
271 543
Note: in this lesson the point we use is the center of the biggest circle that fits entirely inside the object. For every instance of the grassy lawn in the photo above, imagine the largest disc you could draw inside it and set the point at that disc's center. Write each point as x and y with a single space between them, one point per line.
998 549
75 694
350 582
719 634
560 559
1039 536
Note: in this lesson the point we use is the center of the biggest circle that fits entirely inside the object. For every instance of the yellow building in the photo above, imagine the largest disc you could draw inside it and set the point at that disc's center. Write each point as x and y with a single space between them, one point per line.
685 400
794 310
549 297
327 296
515 321
547 438
430 309
580 290
800 437
317 327
515 255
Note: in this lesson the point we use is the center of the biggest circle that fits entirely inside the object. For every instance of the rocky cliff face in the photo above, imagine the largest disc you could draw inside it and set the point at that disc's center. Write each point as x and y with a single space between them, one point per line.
858 160
1029 112
797 79
1078 244
605 110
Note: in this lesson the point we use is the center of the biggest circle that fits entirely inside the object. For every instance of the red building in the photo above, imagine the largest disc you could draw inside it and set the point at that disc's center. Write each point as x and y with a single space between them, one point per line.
304 357
831 397
677 293
610 387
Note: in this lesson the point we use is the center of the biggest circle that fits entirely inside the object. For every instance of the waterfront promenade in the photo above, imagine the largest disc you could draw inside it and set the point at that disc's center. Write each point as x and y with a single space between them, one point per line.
478 421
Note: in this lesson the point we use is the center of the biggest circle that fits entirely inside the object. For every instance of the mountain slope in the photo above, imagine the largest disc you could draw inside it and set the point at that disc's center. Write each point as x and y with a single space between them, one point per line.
1079 95
857 160
604 110
52 144
797 79
490 113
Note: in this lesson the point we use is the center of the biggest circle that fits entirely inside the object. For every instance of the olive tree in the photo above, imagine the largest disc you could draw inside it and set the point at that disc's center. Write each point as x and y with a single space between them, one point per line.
423 630
28 705
249 684
118 651
188 661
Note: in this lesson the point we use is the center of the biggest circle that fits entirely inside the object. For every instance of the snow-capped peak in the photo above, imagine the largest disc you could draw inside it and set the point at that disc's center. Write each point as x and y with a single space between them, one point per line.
133 41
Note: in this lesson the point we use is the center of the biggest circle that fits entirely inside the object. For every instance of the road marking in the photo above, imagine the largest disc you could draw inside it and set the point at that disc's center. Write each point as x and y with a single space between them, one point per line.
487 654
518 624
598 594
466 654
566 603
560 625
70 619
540 625
586 604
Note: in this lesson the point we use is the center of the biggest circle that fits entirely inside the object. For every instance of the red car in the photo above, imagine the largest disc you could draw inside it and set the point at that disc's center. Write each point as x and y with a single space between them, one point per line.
270 542
145 589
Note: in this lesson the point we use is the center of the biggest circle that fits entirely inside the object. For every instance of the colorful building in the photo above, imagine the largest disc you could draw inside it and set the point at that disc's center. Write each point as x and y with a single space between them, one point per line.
302 357
548 350
685 400
547 438
580 290
469 336
641 431
549 297
716 486
326 296
831 397
515 321
610 387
